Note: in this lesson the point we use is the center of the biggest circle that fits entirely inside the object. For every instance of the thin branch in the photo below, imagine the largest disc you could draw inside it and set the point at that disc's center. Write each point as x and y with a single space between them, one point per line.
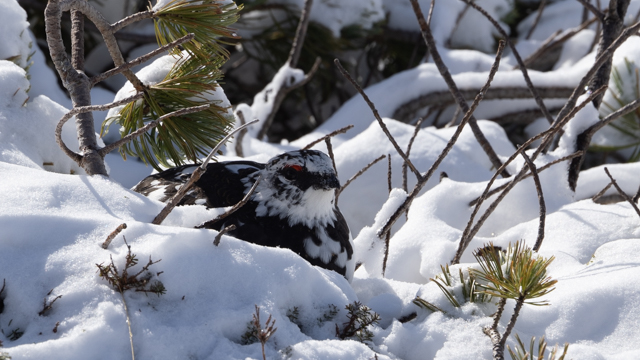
223 231
622 193
77 40
113 234
128 65
552 42
241 134
107 149
234 208
416 129
543 3
546 136
357 175
444 72
379 119
331 134
301 32
516 54
117 26
282 93
82 109
543 207
636 196
330 153
194 177
594 10
387 238
404 207
597 196
545 167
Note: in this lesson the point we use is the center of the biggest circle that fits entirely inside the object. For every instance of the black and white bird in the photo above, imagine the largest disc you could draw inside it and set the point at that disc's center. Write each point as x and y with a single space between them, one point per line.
293 205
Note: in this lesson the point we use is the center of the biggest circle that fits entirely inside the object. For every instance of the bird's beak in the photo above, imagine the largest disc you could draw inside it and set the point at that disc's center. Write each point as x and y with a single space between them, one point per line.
329 182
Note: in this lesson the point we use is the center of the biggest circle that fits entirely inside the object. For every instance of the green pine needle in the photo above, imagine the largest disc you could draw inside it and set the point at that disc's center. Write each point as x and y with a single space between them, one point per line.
524 275
208 20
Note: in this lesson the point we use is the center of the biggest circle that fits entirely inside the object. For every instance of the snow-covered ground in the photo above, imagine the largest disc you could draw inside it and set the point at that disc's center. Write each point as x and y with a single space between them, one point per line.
52 226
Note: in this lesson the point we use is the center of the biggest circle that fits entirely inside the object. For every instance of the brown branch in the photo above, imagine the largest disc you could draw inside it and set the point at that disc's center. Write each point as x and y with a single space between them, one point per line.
543 3
543 207
594 10
444 72
416 129
301 32
281 94
362 171
331 134
551 42
512 323
516 55
636 196
597 196
547 137
330 153
113 234
216 240
77 40
234 208
128 65
622 193
82 109
119 25
241 134
387 237
406 111
379 119
545 167
194 177
404 207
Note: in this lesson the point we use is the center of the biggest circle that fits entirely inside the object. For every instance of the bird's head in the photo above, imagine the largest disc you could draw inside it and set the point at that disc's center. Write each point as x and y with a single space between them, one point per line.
299 185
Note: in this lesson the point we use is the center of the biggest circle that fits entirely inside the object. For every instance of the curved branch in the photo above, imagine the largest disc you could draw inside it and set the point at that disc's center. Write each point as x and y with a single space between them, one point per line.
379 119
543 207
329 135
446 75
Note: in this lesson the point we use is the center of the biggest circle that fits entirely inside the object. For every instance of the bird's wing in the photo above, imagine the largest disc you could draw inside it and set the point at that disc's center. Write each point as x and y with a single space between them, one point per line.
221 185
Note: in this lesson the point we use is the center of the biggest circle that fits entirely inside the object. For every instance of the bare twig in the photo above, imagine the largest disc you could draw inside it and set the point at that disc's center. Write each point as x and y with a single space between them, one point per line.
82 109
48 305
416 129
552 42
594 10
241 134
379 119
331 156
622 193
223 231
444 72
357 175
301 32
129 64
194 177
543 3
387 238
543 207
113 234
234 208
117 26
331 134
597 196
404 207
636 196
545 167
516 54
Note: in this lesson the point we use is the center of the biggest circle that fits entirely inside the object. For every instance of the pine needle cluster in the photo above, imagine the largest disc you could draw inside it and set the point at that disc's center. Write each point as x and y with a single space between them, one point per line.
359 317
520 351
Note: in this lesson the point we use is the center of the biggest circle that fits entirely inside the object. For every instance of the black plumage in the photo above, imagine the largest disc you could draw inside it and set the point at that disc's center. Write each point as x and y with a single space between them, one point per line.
292 207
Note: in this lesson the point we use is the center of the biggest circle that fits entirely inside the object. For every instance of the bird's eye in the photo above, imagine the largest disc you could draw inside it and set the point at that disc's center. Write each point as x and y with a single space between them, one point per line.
291 171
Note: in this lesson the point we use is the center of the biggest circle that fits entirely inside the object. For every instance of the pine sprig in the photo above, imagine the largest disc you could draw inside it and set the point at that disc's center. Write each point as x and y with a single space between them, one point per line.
522 276
189 83
520 351
207 19
359 318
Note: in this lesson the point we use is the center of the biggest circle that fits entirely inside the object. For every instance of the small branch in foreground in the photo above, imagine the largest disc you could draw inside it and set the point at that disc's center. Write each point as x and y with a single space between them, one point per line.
194 177
223 231
379 119
241 134
404 207
348 182
113 234
601 193
416 129
543 207
622 193
233 209
331 134
48 305
453 88
387 237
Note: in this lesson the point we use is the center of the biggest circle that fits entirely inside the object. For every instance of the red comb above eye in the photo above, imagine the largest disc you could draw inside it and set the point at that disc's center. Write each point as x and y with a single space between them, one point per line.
295 167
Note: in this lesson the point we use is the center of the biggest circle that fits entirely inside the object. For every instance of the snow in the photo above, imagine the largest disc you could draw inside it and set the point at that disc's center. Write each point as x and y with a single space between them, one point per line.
54 223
